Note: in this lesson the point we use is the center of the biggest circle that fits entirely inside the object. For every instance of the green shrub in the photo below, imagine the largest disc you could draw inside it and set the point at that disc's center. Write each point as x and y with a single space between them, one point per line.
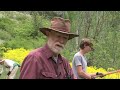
27 43
4 35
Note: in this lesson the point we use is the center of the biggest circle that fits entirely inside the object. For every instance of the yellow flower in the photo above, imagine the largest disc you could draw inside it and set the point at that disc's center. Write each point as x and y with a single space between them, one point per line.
94 69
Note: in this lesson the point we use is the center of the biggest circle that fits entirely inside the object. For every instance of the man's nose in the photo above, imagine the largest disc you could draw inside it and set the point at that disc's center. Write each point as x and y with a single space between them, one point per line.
61 40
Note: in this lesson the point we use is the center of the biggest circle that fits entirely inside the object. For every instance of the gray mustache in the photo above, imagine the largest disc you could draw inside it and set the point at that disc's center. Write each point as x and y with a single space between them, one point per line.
60 45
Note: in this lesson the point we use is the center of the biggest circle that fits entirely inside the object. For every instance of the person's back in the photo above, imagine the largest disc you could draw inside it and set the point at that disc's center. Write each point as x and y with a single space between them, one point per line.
8 63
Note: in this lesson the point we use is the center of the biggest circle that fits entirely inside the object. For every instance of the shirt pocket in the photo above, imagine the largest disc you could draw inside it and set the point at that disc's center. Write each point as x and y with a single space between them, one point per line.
49 75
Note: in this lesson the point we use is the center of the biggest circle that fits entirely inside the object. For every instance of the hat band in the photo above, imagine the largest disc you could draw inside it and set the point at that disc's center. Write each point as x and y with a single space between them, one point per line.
60 29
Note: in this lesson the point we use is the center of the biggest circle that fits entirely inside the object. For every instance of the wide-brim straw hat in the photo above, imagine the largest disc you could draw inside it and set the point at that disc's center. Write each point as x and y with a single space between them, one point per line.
60 25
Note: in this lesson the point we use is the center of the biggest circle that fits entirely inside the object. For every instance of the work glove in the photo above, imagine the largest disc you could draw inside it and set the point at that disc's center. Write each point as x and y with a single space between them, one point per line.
101 74
9 73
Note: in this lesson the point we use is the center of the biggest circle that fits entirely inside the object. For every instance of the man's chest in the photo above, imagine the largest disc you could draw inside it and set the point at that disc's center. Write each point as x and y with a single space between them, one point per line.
54 70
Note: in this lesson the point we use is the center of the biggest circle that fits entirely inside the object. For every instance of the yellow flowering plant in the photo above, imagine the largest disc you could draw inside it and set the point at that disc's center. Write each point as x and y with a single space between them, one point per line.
94 69
17 55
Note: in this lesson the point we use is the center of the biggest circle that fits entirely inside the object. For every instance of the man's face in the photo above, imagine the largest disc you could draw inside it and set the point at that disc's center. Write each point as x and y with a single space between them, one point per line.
88 48
57 41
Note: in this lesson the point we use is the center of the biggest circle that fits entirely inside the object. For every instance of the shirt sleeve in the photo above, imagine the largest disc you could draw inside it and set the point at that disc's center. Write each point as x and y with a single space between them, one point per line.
29 68
78 60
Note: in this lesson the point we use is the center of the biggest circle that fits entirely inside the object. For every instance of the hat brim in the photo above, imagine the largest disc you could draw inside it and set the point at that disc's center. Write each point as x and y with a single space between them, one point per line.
71 35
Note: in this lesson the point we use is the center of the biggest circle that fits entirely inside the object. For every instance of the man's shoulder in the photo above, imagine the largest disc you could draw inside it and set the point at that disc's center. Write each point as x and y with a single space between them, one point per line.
36 51
8 60
33 56
77 54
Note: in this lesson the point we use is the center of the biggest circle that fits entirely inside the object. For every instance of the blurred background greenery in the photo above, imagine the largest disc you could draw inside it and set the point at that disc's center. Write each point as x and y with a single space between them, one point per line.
20 29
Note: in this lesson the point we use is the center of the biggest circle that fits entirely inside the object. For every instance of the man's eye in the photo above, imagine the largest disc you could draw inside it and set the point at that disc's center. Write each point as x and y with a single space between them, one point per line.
65 38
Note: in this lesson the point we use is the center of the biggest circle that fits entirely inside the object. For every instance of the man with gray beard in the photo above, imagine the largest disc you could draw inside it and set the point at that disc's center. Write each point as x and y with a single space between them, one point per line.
47 62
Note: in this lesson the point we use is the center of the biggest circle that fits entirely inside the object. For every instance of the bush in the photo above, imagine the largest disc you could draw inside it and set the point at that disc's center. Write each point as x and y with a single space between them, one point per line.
4 35
68 54
27 43
3 49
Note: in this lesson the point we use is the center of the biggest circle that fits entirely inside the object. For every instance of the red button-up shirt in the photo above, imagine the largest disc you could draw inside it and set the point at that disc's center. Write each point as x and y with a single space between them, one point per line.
40 65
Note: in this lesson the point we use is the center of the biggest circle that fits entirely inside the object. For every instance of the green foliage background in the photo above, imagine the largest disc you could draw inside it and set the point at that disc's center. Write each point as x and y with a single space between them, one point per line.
20 29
